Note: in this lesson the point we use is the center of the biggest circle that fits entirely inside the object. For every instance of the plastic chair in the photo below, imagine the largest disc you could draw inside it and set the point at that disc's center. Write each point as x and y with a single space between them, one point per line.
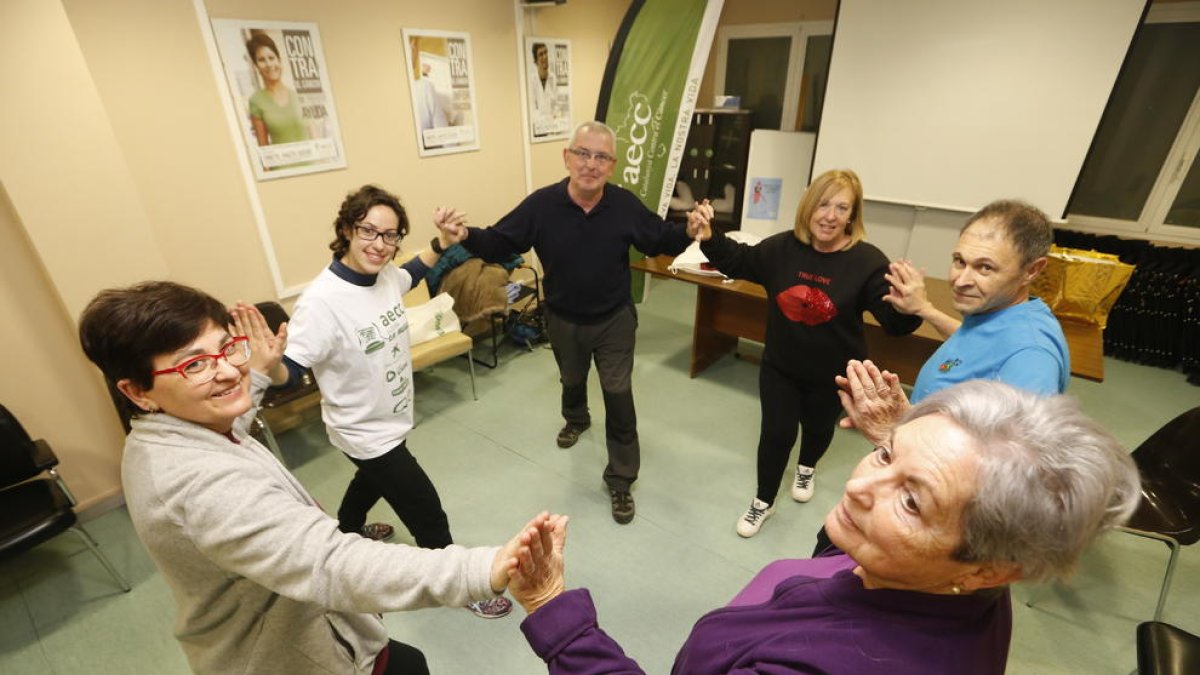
1169 511
1163 649
276 397
35 504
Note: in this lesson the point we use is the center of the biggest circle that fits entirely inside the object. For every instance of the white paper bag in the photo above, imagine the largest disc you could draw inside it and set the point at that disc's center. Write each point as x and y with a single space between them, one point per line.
432 319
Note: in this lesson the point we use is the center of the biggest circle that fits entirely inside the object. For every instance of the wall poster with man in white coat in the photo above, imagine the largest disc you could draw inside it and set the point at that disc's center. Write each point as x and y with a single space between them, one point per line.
548 87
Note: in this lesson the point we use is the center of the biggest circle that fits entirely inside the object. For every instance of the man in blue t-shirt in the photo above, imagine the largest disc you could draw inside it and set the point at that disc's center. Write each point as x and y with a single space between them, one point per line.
1004 334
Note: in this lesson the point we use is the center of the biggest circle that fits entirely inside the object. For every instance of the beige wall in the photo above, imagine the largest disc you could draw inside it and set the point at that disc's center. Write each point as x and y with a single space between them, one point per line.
47 383
117 164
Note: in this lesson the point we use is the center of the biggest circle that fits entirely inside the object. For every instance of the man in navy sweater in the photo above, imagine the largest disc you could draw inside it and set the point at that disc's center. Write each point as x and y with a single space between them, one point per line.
581 229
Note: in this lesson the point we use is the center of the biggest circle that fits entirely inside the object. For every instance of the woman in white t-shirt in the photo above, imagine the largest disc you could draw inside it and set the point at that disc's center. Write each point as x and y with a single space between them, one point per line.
350 328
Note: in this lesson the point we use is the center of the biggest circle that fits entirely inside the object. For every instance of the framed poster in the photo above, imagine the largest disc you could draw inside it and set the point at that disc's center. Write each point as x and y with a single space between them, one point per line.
442 83
548 87
280 87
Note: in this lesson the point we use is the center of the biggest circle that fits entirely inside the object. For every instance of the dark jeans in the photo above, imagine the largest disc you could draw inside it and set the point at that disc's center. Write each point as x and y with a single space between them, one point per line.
610 343
396 477
402 659
786 404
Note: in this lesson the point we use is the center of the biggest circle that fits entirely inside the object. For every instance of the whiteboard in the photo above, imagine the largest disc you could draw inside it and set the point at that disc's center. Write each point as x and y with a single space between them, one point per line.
952 104
782 157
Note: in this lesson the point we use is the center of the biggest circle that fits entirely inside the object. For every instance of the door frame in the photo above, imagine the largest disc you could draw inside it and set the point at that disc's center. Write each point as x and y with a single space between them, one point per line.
799 32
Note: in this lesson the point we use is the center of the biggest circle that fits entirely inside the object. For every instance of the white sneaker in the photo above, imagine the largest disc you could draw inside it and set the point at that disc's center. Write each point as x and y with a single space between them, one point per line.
802 487
752 521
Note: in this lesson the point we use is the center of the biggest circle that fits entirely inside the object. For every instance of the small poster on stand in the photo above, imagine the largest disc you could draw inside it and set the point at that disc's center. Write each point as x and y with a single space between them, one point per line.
764 198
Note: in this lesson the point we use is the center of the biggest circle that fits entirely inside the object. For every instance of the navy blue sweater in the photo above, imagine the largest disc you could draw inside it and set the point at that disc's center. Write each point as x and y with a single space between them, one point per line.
585 255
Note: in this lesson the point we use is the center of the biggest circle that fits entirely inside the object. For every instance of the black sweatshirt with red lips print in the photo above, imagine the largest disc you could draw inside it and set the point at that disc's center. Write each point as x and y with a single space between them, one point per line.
815 300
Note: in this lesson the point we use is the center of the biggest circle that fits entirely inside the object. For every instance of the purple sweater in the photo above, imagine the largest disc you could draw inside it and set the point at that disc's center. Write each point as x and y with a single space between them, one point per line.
819 619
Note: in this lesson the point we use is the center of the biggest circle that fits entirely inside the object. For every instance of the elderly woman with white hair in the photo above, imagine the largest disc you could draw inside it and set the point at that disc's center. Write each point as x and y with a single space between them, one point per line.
978 486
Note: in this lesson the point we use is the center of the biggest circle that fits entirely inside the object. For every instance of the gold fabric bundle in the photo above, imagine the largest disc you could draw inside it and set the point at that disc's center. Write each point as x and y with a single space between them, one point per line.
1082 285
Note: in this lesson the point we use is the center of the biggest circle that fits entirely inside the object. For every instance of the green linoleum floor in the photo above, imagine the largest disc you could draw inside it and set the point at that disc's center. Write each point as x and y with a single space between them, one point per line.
495 464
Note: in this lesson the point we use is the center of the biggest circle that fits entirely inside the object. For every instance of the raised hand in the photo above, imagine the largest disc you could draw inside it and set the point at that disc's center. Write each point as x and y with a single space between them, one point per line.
266 348
536 570
699 224
451 224
873 400
907 291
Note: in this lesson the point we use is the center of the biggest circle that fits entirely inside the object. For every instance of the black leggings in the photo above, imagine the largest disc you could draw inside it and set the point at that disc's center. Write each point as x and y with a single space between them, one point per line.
786 404
396 477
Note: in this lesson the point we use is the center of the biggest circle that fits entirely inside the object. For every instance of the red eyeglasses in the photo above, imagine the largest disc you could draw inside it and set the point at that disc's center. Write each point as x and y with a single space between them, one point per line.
201 369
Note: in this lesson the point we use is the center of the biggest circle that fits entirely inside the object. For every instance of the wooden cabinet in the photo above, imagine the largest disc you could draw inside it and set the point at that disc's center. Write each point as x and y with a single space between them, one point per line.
713 166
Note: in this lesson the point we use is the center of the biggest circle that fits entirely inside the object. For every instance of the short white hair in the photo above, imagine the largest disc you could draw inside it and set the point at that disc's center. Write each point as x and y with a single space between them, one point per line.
594 127
1050 478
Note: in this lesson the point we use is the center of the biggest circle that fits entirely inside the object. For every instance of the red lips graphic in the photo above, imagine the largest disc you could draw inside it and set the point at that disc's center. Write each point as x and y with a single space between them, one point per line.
806 305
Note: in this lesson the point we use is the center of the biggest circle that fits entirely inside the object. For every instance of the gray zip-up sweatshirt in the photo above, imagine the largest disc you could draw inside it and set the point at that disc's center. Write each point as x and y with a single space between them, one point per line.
263 579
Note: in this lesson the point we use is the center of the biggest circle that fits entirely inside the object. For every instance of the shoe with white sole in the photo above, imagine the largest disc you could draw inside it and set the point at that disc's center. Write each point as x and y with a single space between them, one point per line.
802 487
491 609
752 521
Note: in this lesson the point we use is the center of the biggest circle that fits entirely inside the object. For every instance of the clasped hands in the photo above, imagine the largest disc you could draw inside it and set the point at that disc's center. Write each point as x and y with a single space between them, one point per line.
451 225
907 287
699 221
873 400
531 564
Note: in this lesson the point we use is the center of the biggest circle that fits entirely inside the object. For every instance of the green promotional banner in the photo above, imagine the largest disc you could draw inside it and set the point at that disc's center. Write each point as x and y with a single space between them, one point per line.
649 93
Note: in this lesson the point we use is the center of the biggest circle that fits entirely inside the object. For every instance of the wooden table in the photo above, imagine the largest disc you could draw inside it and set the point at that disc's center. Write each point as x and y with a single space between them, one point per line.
726 311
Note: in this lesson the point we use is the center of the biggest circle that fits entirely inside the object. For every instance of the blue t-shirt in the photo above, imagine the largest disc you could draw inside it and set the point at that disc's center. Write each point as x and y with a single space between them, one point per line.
1022 345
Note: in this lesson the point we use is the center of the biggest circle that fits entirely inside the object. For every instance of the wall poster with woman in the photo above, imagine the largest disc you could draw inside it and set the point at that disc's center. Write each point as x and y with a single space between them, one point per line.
442 83
281 92
548 88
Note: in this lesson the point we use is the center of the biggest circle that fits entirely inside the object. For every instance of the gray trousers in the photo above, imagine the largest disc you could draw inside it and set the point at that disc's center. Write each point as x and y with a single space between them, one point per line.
610 343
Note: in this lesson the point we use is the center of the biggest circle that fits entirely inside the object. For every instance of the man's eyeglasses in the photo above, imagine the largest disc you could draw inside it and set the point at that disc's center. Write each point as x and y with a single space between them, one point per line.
584 155
390 237
202 369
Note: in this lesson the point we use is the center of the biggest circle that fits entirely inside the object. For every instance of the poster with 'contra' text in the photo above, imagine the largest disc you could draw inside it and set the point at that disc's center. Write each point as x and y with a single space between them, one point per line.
281 91
442 83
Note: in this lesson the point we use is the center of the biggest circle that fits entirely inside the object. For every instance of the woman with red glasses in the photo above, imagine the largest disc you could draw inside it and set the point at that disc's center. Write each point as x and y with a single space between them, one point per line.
263 578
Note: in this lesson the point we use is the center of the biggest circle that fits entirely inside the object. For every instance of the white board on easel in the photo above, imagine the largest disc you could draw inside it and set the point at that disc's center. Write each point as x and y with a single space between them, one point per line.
776 177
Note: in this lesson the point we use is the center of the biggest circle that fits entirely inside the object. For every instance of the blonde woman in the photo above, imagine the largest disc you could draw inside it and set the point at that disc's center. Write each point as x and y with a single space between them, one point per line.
819 278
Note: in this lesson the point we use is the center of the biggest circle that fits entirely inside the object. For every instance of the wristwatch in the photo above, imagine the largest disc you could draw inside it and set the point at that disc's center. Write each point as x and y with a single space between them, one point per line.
436 245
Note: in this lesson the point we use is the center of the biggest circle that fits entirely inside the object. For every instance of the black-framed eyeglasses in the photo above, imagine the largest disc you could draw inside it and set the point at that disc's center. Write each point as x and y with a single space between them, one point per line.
202 369
585 155
390 237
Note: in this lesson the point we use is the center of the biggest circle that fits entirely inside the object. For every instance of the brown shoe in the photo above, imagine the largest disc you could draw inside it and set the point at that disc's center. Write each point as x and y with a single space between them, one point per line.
622 506
569 435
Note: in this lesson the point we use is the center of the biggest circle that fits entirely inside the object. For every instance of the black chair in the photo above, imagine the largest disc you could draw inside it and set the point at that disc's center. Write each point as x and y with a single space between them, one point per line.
1163 649
1169 511
35 504
276 397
